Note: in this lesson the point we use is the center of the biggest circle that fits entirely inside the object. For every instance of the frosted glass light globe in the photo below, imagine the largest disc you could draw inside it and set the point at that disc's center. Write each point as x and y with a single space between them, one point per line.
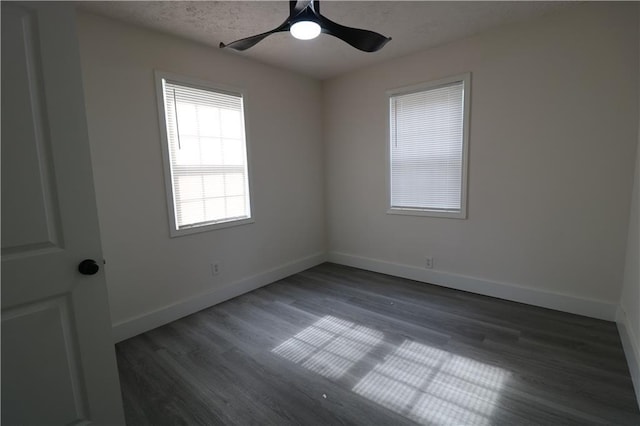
305 30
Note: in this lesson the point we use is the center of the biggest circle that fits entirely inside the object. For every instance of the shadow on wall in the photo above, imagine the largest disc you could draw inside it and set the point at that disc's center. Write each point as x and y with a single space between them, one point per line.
420 382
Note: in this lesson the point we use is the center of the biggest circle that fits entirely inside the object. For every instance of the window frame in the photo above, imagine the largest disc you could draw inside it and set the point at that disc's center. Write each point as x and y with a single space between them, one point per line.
174 231
422 87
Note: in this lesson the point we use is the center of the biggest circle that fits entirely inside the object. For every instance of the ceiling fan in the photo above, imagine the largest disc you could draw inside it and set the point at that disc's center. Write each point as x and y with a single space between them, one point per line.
305 22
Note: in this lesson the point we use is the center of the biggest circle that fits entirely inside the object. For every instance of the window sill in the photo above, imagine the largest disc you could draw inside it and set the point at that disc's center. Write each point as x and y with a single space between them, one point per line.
211 227
428 213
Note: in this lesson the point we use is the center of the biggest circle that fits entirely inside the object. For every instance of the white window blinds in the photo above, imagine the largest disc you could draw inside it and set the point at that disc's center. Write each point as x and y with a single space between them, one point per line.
207 155
427 147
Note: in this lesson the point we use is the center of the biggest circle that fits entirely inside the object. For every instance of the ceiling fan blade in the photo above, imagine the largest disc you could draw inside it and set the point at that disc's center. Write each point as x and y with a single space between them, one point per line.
365 40
296 7
245 43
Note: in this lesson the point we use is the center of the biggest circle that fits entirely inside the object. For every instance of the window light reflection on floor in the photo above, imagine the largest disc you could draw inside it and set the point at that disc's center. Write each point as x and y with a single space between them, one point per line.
432 386
426 384
330 346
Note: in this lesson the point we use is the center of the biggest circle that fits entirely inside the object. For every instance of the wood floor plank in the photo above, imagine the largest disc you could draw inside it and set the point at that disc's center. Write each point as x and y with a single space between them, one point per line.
533 380
336 345
255 348
470 305
420 312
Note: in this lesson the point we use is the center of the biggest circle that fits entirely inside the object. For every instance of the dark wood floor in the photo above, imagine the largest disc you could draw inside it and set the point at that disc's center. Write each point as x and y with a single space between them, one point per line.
337 345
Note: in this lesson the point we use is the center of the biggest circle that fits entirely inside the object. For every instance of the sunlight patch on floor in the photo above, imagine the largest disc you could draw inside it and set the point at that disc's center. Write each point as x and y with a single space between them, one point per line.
425 384
330 347
432 386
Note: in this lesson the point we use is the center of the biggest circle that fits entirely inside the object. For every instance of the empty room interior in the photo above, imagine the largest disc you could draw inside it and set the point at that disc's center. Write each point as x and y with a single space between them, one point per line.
430 221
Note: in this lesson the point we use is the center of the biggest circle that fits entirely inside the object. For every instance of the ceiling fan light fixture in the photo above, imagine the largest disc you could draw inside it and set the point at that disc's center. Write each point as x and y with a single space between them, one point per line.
305 30
305 22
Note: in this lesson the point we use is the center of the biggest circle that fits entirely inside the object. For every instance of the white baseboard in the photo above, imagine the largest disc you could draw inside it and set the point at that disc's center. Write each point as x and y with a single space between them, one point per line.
543 298
150 320
631 349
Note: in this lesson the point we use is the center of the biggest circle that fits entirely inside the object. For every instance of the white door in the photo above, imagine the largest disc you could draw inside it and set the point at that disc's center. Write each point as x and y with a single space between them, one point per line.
58 358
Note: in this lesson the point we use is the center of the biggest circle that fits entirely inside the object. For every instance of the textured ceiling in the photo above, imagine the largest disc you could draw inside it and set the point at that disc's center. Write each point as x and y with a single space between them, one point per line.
414 26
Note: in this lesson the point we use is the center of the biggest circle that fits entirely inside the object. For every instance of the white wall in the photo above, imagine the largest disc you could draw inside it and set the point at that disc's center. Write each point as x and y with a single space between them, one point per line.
629 320
152 277
554 110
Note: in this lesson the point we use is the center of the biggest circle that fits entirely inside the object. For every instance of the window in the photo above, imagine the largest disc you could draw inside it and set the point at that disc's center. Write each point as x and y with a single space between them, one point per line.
205 155
428 138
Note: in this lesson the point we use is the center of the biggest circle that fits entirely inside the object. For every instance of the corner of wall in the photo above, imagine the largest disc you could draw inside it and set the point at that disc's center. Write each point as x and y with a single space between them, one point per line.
628 321
631 350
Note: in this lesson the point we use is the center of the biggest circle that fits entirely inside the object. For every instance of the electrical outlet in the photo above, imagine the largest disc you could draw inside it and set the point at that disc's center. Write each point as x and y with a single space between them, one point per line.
428 262
215 268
